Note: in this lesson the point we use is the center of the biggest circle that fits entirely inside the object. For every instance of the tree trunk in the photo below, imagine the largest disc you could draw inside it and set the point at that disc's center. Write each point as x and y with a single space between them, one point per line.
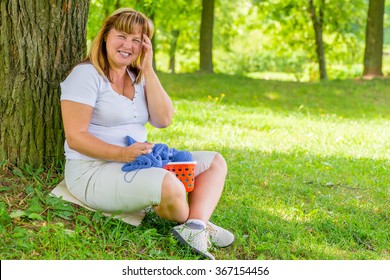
109 7
374 39
117 4
148 8
318 31
206 36
154 44
106 8
40 41
172 50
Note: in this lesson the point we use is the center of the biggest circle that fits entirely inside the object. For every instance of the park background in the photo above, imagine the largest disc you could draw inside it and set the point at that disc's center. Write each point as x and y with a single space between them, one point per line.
305 132
261 39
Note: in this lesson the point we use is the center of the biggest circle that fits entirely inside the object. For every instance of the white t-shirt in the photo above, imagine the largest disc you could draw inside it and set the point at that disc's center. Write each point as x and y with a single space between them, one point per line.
114 116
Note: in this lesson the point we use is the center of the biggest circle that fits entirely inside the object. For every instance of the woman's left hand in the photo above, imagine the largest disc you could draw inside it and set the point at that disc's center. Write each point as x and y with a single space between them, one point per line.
147 54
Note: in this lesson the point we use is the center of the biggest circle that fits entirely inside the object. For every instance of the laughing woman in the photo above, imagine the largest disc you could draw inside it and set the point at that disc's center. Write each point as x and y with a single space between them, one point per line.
112 94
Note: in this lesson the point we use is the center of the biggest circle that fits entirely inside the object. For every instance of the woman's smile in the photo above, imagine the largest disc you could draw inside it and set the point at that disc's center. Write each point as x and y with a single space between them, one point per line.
124 54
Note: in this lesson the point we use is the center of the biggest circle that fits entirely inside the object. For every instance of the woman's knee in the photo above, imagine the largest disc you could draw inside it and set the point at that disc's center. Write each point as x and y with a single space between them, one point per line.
172 188
219 163
173 204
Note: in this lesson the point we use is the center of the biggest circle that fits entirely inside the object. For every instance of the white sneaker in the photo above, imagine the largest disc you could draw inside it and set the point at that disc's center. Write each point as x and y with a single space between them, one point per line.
196 238
220 237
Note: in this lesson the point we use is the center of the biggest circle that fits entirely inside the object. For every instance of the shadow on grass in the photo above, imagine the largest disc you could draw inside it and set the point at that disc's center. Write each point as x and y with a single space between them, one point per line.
354 99
300 206
279 206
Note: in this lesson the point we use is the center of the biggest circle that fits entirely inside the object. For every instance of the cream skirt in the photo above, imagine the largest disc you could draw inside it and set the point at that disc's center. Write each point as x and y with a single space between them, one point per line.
102 185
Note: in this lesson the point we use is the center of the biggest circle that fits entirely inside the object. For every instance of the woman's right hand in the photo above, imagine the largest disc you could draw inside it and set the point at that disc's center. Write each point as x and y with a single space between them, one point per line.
130 153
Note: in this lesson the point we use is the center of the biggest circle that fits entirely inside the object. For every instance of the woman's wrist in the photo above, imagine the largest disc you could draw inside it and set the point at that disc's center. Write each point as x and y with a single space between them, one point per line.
122 154
148 71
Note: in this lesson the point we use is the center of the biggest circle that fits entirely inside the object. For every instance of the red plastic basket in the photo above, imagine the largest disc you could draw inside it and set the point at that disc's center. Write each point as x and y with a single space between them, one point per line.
185 172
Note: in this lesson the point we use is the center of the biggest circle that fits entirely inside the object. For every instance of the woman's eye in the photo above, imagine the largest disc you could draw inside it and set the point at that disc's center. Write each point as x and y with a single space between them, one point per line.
122 36
137 41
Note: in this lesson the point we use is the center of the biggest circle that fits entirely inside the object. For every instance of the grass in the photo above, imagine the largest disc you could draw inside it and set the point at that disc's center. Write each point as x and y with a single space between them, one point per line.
308 177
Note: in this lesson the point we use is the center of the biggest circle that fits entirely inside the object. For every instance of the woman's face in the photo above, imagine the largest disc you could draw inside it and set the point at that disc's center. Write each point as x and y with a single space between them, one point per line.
123 48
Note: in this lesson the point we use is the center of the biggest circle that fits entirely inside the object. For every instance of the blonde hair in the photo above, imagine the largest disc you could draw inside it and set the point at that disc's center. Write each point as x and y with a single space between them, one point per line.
124 20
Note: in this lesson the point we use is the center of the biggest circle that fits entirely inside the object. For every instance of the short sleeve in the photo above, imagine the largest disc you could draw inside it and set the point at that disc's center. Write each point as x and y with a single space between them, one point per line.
82 85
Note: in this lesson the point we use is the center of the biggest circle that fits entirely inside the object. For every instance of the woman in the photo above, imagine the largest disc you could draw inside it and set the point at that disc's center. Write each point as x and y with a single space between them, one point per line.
111 95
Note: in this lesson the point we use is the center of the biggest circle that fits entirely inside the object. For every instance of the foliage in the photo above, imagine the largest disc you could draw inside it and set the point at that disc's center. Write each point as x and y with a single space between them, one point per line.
186 23
387 24
290 36
255 36
99 10
308 177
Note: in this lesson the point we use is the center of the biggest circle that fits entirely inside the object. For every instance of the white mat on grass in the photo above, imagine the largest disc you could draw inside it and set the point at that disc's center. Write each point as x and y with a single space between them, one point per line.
61 191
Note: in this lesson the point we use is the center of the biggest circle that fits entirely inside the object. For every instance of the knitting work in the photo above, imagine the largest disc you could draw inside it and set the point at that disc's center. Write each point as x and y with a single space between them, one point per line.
159 157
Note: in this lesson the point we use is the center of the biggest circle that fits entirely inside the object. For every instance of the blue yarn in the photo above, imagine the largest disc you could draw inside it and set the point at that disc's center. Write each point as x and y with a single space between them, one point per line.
159 157
181 155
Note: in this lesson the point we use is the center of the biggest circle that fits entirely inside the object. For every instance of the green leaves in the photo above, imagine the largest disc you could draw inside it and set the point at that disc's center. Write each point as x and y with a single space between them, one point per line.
83 219
59 208
17 214
20 214
35 216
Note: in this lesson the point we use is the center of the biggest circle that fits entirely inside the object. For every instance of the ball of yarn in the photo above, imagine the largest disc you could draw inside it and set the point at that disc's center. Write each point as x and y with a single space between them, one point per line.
182 156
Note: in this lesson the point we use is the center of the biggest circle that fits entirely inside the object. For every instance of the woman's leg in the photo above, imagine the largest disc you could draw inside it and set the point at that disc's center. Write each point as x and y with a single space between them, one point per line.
209 181
104 186
173 205
208 189
201 201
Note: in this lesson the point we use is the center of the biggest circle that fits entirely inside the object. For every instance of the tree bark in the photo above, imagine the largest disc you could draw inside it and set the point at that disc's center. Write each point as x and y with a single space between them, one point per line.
374 39
318 31
206 36
172 50
40 41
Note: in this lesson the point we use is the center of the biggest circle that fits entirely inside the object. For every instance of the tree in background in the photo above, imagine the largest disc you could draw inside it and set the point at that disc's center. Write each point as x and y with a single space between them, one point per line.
108 3
40 41
374 39
149 8
288 39
318 20
206 36
182 26
255 36
170 28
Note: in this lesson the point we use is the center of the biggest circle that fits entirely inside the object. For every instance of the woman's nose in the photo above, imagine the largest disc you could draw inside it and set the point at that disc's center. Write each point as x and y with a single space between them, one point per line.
128 43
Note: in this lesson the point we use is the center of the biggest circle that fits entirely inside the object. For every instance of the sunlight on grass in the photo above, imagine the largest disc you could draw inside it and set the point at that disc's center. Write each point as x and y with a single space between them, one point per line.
308 168
293 214
308 177
272 76
268 132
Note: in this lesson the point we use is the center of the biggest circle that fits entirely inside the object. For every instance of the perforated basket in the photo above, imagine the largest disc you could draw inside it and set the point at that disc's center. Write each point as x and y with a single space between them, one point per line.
185 172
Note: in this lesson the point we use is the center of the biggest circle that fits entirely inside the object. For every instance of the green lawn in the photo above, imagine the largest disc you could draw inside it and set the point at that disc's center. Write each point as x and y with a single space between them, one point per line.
308 177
